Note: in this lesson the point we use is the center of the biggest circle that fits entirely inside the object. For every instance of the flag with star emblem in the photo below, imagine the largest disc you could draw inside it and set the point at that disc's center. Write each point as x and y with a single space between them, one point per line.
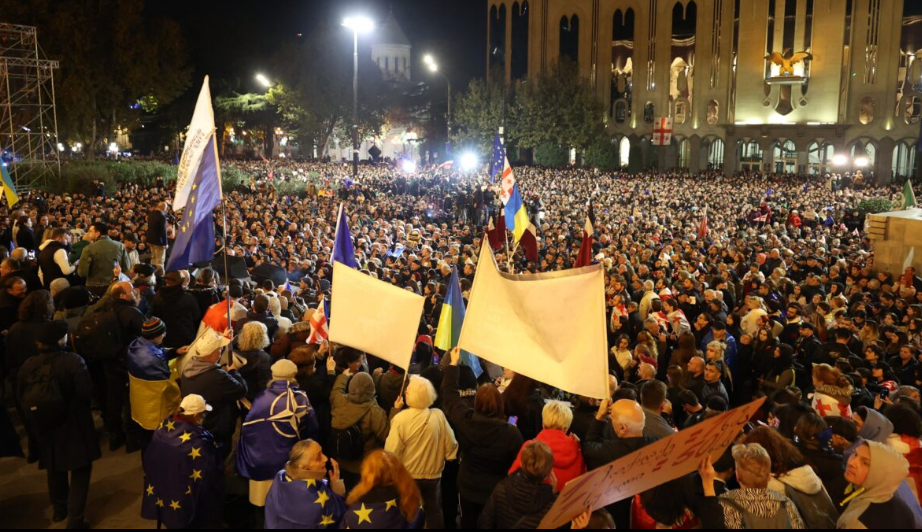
300 504
183 485
498 159
201 196
380 511
281 416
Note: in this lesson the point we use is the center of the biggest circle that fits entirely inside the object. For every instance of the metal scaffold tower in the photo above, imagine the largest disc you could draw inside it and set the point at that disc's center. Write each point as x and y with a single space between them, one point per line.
28 119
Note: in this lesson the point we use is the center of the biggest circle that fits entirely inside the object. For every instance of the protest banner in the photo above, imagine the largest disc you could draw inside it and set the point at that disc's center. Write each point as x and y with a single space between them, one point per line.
655 464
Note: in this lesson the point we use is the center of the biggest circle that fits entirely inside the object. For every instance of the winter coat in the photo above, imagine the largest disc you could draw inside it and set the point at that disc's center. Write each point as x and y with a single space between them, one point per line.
763 503
368 415
20 343
221 389
73 444
568 456
805 481
266 318
488 445
517 502
179 312
257 372
297 336
96 261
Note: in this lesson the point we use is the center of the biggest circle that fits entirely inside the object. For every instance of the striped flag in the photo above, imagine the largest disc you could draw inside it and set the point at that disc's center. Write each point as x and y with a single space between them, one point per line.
12 198
451 321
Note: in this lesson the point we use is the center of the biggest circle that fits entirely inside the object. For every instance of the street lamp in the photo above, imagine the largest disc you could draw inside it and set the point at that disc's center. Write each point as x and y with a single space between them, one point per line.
357 25
263 80
434 68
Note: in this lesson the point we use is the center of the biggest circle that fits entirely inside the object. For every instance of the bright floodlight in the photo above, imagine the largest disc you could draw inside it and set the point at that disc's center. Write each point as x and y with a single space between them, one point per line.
469 161
428 59
359 24
113 147
839 160
433 67
409 166
861 162
263 80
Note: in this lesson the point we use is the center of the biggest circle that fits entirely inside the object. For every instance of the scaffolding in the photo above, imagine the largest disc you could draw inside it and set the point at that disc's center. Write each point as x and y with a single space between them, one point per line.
28 119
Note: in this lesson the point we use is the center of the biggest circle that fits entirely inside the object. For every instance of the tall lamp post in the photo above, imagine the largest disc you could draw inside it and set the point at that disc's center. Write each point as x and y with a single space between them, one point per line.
357 25
434 68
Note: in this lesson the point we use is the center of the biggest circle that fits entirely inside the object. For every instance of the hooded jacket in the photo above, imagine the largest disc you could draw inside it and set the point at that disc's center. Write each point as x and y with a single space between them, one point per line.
568 456
351 408
875 504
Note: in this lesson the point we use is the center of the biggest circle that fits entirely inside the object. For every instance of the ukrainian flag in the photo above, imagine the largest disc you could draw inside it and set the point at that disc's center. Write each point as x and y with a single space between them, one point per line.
11 197
516 215
450 322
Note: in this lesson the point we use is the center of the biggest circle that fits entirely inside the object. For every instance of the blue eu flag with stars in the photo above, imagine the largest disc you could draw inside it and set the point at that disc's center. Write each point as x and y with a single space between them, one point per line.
195 233
499 158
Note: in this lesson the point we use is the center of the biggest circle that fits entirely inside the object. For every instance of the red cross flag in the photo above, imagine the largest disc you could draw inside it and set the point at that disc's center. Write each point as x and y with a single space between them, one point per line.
662 132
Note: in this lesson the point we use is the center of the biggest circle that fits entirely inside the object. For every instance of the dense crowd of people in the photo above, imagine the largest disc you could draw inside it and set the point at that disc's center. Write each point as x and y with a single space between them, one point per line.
720 290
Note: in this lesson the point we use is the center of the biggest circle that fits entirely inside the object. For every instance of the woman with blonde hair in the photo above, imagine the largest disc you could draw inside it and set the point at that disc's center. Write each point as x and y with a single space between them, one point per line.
833 392
753 320
386 497
715 353
251 344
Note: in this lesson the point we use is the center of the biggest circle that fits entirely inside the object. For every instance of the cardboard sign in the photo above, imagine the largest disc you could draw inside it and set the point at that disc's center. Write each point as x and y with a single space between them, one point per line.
655 464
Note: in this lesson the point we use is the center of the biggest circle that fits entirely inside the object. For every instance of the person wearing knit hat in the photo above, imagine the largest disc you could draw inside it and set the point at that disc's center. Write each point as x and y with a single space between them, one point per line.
154 394
357 407
284 370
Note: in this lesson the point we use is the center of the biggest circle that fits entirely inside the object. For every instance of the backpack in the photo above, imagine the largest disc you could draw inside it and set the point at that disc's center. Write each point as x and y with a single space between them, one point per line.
40 396
99 336
778 521
348 443
817 511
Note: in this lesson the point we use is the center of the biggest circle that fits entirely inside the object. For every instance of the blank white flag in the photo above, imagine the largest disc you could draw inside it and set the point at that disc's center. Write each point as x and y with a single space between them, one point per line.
373 316
550 327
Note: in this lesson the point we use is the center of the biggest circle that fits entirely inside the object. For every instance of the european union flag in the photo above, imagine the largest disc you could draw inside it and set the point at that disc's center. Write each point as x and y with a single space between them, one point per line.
499 158
342 248
195 234
183 484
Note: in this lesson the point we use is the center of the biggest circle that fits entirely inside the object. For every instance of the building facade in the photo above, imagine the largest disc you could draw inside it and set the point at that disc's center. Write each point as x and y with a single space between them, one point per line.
852 99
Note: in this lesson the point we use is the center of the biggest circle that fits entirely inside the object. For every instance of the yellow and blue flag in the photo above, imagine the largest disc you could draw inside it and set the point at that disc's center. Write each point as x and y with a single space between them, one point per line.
516 216
12 198
451 321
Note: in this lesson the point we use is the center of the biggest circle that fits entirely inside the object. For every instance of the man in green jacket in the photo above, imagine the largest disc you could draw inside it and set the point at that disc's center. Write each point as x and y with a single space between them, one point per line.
99 259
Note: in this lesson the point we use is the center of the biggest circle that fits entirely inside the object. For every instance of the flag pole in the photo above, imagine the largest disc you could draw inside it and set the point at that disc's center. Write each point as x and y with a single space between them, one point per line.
230 323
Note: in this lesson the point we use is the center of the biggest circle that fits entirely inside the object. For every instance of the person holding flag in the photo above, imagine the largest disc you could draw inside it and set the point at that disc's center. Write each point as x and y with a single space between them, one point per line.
585 249
450 323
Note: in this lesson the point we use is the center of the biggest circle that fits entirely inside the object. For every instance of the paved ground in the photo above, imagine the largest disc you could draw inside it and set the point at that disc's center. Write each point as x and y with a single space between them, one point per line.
115 493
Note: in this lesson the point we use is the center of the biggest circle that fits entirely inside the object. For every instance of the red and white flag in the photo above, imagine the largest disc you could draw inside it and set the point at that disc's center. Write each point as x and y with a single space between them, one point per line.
585 249
507 183
662 132
320 330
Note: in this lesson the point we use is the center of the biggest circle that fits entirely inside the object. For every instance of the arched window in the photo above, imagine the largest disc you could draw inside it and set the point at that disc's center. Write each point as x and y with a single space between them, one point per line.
624 151
819 158
784 156
904 160
713 112
866 110
715 154
396 64
913 112
684 153
519 40
750 156
387 63
622 111
569 38
622 51
649 113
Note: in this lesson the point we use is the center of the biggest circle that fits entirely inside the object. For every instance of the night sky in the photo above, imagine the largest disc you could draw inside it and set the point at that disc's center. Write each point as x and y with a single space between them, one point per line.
234 38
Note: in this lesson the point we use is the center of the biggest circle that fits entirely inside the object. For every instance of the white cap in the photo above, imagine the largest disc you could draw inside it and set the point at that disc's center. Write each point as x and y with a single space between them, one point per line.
193 404
284 369
208 343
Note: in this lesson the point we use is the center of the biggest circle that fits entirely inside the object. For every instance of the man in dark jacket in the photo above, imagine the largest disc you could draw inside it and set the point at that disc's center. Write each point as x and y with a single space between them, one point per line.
179 311
261 314
157 234
71 445
122 300
628 421
25 237
220 387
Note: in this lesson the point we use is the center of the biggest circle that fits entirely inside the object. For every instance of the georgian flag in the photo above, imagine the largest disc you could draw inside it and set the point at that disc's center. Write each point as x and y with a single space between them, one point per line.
320 329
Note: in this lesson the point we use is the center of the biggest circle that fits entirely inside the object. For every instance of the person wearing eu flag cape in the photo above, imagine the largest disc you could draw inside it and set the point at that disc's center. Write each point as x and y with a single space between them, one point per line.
280 417
183 476
304 494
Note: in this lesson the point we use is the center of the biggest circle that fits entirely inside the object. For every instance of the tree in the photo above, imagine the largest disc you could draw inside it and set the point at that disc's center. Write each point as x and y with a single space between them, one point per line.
478 113
314 90
116 62
551 155
602 154
557 107
255 110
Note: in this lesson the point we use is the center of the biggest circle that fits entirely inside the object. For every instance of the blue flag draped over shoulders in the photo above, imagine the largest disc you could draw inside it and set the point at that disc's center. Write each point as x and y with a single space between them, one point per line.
301 504
281 416
183 484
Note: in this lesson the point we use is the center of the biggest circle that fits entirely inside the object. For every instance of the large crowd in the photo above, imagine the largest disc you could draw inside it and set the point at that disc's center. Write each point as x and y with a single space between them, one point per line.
720 290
